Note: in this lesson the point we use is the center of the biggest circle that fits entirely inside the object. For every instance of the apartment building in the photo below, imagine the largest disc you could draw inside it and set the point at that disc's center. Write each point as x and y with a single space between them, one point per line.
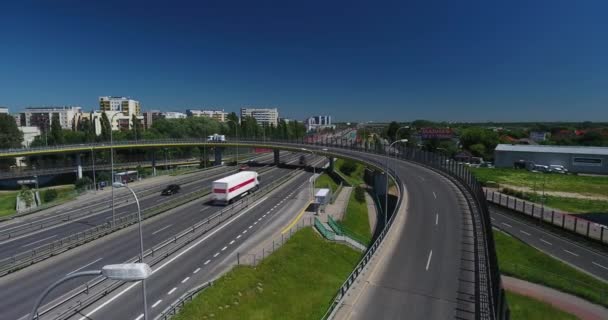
218 115
41 117
264 116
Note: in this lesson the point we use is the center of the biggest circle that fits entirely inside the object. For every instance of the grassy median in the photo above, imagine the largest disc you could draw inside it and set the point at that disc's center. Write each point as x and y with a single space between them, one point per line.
526 308
356 221
522 261
298 281
353 178
8 202
325 181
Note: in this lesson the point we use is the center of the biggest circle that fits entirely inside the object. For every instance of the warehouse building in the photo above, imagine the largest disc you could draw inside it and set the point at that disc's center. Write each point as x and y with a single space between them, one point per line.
577 159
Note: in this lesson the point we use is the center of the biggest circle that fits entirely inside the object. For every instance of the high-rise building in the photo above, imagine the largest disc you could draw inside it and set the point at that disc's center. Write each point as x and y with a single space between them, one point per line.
264 116
41 117
127 106
218 115
318 122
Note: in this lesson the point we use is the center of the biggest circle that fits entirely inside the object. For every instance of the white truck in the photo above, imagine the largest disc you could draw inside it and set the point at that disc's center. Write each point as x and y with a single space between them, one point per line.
232 187
217 137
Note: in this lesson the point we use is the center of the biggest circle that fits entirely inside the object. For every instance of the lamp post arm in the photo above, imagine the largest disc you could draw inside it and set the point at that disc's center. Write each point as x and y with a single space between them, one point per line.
34 313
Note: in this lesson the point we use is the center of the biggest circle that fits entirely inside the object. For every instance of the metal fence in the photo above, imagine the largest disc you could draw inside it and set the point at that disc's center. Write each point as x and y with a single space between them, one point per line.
572 223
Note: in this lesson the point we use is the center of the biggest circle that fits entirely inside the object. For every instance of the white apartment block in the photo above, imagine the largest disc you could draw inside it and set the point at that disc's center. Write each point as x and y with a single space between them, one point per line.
264 116
41 117
174 115
4 110
218 115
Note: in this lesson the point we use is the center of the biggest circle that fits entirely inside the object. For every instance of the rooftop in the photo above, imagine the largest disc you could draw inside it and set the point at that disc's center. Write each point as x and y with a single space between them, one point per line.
553 149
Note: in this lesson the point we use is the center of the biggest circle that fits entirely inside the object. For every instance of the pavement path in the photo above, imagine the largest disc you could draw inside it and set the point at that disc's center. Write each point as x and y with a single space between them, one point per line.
574 305
372 213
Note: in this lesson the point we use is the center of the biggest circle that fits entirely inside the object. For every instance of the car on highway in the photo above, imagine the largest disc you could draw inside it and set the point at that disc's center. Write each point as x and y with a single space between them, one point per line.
244 167
170 189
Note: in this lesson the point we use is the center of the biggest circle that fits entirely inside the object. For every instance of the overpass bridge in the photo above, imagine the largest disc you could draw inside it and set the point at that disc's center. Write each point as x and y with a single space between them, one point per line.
436 271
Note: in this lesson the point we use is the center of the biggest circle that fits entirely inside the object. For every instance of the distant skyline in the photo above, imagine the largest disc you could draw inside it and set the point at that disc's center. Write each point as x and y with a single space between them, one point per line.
354 60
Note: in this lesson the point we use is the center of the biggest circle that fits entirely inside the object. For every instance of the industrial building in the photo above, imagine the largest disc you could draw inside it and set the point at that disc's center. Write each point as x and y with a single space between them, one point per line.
593 160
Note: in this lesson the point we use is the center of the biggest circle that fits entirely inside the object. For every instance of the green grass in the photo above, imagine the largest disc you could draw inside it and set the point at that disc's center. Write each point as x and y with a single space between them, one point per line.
526 308
355 178
325 181
355 219
298 281
553 182
64 193
522 261
573 205
8 202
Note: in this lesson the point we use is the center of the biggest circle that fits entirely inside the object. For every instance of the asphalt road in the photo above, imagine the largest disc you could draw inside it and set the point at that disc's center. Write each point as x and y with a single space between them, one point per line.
30 241
21 288
586 259
200 262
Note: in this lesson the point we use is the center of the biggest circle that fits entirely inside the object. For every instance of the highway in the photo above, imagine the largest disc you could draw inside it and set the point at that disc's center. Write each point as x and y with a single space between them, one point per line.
101 214
586 259
205 259
21 288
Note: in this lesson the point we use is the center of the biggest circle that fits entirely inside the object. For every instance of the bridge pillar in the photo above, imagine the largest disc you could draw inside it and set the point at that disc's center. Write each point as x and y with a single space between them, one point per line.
218 156
78 166
154 163
277 157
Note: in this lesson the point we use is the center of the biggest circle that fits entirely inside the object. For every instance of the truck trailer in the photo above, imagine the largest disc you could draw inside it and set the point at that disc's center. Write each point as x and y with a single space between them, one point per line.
235 186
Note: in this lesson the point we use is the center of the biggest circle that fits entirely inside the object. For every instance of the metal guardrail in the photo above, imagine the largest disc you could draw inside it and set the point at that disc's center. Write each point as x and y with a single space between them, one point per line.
99 287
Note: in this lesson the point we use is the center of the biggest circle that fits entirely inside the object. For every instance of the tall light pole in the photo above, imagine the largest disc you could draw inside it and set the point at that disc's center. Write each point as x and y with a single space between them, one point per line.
236 133
93 163
141 242
386 172
122 272
314 172
112 164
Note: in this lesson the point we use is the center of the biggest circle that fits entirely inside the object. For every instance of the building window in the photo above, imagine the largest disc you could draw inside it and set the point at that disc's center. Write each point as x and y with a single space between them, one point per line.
579 161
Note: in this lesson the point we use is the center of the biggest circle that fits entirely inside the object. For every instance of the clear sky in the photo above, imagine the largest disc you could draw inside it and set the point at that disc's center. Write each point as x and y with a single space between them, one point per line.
356 60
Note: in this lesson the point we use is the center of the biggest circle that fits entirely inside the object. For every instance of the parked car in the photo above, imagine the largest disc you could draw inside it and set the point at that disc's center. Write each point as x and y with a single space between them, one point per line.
558 168
170 189
541 168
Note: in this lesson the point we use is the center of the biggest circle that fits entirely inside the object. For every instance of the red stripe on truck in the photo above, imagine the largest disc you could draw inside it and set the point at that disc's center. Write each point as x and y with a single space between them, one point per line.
238 186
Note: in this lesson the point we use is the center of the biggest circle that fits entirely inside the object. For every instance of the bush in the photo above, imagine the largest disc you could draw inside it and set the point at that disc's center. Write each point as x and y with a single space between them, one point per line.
348 167
49 195
27 196
83 183
359 194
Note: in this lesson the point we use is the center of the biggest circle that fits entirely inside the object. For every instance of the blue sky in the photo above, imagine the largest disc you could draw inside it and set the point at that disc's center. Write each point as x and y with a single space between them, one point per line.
356 60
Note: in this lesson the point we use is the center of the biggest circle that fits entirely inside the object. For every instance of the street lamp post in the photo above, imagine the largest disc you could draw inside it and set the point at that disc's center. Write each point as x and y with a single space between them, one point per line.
236 133
141 242
386 190
122 272
93 163
112 165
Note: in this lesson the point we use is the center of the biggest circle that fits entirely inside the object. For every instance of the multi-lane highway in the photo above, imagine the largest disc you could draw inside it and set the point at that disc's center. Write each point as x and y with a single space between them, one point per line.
577 255
20 288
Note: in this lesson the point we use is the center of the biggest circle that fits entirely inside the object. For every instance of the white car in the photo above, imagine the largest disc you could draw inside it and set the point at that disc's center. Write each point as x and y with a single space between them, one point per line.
558 168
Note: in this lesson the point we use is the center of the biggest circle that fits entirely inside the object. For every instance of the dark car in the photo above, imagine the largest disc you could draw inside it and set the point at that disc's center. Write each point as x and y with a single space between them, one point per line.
170 189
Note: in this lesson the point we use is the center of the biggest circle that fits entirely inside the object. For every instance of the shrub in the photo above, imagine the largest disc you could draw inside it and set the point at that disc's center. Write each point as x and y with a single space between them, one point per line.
27 196
348 167
83 183
49 195
359 194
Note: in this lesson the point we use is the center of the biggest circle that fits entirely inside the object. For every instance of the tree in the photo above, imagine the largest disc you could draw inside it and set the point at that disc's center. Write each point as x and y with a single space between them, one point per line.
56 130
49 195
232 120
359 194
106 127
348 167
137 127
476 135
478 150
27 196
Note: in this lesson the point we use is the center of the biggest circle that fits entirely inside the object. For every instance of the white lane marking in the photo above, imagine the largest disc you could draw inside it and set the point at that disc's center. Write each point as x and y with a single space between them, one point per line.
436 218
244 231
231 242
207 262
428 262
86 265
599 265
156 303
238 236
224 248
260 219
506 224
526 233
161 229
118 295
250 227
203 209
493 219
255 223
434 195
572 253
172 290
185 279
216 254
197 270
545 241
140 317
37 241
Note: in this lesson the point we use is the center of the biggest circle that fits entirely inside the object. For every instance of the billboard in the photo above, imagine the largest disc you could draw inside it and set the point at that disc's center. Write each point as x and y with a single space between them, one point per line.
436 133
